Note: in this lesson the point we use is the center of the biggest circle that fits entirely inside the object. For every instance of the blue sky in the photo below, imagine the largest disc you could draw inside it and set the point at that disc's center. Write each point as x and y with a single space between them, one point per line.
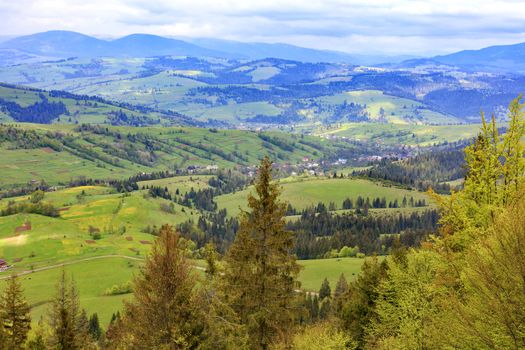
358 26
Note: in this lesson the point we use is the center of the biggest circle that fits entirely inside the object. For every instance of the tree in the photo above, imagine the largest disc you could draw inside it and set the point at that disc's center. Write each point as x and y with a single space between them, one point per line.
340 290
94 327
325 291
37 196
221 324
358 307
260 277
65 318
163 313
14 313
39 337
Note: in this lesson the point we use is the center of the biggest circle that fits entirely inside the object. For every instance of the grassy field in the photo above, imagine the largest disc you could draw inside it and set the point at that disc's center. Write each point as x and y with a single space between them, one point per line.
182 183
32 241
94 277
305 192
420 135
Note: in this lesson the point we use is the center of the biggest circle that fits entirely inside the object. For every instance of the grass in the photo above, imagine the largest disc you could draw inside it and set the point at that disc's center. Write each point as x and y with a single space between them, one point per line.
413 135
94 277
302 193
120 220
315 271
182 183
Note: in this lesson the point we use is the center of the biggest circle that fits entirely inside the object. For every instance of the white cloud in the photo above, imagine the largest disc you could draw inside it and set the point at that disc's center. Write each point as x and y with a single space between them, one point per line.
403 26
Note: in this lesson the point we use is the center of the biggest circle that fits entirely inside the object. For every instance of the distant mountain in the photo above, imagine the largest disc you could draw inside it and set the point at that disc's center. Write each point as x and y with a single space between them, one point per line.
494 58
64 44
57 43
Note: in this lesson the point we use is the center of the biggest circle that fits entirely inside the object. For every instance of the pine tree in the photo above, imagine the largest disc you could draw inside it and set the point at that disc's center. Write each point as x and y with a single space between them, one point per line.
94 327
261 273
221 324
325 291
162 313
14 313
65 316
340 289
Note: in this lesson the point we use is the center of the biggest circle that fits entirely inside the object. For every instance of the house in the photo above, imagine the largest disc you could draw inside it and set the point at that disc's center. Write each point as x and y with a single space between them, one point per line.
4 265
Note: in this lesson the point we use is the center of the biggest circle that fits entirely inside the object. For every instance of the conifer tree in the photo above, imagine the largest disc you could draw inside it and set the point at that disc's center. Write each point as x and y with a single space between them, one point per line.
14 313
65 316
340 290
162 313
325 291
94 327
261 273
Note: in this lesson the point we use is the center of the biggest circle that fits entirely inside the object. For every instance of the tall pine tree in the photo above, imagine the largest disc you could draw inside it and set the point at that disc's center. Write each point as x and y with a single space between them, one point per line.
14 313
163 313
260 277
66 317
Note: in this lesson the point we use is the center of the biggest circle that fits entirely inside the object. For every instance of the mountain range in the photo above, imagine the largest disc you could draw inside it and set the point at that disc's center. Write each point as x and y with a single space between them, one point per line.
59 44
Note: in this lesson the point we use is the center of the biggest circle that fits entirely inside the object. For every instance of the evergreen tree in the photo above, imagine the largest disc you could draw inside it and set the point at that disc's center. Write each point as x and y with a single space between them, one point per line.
340 289
261 273
163 313
65 316
14 313
325 309
94 327
325 291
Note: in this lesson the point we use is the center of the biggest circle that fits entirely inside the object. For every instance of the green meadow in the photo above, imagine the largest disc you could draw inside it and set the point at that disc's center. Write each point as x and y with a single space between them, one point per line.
302 193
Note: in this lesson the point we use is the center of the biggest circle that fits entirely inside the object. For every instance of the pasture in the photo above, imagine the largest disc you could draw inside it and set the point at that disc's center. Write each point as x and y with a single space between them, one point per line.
302 193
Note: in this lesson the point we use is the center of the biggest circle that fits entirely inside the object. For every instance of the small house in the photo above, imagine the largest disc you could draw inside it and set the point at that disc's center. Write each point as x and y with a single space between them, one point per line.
3 265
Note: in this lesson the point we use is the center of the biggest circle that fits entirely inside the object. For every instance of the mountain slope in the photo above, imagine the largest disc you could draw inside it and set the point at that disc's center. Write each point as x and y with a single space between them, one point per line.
494 58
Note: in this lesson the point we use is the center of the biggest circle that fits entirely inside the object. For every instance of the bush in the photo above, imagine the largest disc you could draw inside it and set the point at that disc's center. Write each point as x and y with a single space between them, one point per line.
118 289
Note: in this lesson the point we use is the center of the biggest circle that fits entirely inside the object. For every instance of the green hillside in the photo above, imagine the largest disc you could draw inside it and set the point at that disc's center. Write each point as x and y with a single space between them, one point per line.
60 153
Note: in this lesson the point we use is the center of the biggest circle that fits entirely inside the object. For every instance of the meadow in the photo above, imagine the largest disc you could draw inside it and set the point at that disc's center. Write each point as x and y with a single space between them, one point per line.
411 135
302 193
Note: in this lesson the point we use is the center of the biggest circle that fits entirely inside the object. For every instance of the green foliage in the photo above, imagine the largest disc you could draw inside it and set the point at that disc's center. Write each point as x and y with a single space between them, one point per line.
66 318
357 308
323 336
14 314
118 289
260 277
163 312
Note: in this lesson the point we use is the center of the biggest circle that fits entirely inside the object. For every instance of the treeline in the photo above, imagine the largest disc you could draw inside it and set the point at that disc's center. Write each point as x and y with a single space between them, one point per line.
319 231
42 112
431 169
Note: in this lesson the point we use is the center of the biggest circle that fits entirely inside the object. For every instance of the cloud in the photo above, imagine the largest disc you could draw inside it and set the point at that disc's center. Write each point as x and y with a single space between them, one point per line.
387 26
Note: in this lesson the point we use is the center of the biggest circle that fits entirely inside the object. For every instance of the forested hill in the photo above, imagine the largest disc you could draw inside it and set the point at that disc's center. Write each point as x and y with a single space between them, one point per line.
23 104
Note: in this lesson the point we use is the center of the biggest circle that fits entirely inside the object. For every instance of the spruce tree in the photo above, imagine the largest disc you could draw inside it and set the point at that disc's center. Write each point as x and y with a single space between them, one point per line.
94 327
163 313
65 316
261 272
325 291
14 313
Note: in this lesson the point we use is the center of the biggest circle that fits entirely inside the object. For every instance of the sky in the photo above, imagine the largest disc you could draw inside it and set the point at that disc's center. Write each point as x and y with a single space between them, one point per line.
391 27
